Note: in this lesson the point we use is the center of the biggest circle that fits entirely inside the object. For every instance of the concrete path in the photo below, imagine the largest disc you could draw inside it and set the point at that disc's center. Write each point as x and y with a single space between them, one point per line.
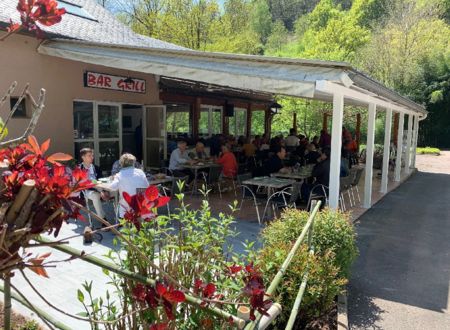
401 279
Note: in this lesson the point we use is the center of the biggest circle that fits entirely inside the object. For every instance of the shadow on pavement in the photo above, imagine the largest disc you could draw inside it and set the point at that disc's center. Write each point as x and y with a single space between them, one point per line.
404 242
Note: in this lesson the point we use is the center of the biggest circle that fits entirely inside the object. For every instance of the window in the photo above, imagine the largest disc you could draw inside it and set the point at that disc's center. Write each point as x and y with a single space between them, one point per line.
258 122
238 123
178 122
75 10
97 125
21 110
83 120
210 121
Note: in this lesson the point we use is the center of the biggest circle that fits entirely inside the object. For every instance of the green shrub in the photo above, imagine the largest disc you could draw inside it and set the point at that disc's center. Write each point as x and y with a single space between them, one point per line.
332 231
428 151
29 325
335 250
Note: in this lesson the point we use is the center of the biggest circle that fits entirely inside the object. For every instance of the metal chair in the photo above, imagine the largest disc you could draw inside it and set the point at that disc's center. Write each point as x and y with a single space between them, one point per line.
318 192
213 178
279 199
344 187
355 183
247 193
229 178
115 203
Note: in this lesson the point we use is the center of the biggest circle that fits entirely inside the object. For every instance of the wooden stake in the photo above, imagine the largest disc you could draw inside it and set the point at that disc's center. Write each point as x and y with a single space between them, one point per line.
20 200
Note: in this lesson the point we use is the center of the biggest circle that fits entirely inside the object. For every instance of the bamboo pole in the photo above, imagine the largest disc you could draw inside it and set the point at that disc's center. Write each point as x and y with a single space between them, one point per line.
41 313
298 300
273 311
278 277
7 303
240 323
20 200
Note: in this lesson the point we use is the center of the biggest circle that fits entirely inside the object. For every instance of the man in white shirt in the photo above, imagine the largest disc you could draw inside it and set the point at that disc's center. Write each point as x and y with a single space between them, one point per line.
292 141
129 179
178 158
87 156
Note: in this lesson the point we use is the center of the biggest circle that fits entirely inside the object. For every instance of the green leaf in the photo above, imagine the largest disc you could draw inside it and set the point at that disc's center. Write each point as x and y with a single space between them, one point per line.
80 296
83 314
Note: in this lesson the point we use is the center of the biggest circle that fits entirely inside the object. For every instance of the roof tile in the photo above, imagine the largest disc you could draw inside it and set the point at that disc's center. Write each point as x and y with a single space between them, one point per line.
106 30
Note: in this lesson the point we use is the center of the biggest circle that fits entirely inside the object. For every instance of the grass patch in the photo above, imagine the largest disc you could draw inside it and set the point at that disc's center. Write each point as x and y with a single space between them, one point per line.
428 151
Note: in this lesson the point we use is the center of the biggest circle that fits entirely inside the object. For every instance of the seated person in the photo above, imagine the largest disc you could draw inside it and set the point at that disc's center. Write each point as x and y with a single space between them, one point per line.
249 148
129 179
311 154
228 161
321 172
87 157
178 158
275 163
198 152
116 166
315 141
345 163
292 141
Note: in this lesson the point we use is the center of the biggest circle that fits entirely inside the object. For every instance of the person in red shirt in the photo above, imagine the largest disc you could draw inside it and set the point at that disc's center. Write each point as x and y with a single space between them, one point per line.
228 161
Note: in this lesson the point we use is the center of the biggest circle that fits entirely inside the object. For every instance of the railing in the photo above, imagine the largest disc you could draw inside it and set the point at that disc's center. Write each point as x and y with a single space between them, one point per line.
307 230
260 322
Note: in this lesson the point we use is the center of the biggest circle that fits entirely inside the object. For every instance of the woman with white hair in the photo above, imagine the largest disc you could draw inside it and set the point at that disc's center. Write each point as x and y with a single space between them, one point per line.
129 179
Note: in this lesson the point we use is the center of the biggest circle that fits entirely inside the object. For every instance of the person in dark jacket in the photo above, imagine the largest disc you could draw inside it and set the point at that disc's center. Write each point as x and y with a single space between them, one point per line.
321 173
311 155
87 156
275 163
322 170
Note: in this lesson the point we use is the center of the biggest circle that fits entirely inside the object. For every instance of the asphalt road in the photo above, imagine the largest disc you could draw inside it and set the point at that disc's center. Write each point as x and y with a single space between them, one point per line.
401 280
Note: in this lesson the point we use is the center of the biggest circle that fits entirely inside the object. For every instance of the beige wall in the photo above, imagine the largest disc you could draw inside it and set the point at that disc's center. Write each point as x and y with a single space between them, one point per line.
63 81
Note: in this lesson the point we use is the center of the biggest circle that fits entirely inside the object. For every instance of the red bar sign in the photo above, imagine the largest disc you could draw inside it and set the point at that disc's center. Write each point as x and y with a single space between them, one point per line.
107 81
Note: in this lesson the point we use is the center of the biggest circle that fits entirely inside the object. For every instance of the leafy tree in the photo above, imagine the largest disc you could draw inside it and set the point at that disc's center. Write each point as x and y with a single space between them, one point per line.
288 11
278 37
261 20
411 34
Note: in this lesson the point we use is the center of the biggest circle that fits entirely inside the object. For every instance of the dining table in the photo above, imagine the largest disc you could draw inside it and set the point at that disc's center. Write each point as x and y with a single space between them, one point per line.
104 184
196 167
271 183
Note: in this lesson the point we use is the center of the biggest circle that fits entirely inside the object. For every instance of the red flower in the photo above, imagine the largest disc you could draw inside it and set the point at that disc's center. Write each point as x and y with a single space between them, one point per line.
45 12
13 27
234 269
160 294
255 290
142 205
207 290
139 292
159 326
169 297
28 161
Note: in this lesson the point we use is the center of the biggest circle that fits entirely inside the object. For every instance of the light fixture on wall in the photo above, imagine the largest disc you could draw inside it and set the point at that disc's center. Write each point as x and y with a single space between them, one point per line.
129 80
275 107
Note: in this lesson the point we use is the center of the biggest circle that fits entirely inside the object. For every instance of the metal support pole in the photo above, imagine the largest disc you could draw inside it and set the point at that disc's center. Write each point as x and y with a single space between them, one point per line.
369 156
408 145
358 131
386 151
336 145
414 143
398 160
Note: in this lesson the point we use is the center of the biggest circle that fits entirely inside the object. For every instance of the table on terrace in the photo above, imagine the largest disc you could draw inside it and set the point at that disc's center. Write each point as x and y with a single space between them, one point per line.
199 166
271 183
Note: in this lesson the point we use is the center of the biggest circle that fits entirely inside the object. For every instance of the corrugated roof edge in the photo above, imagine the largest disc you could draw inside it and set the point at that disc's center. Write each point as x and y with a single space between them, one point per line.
359 78
365 81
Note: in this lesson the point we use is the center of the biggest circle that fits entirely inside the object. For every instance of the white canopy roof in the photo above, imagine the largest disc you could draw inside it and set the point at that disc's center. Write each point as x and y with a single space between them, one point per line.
280 76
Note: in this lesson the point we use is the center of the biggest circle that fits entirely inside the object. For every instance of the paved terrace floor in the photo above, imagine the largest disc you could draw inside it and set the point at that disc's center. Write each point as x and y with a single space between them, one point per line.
61 288
401 279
